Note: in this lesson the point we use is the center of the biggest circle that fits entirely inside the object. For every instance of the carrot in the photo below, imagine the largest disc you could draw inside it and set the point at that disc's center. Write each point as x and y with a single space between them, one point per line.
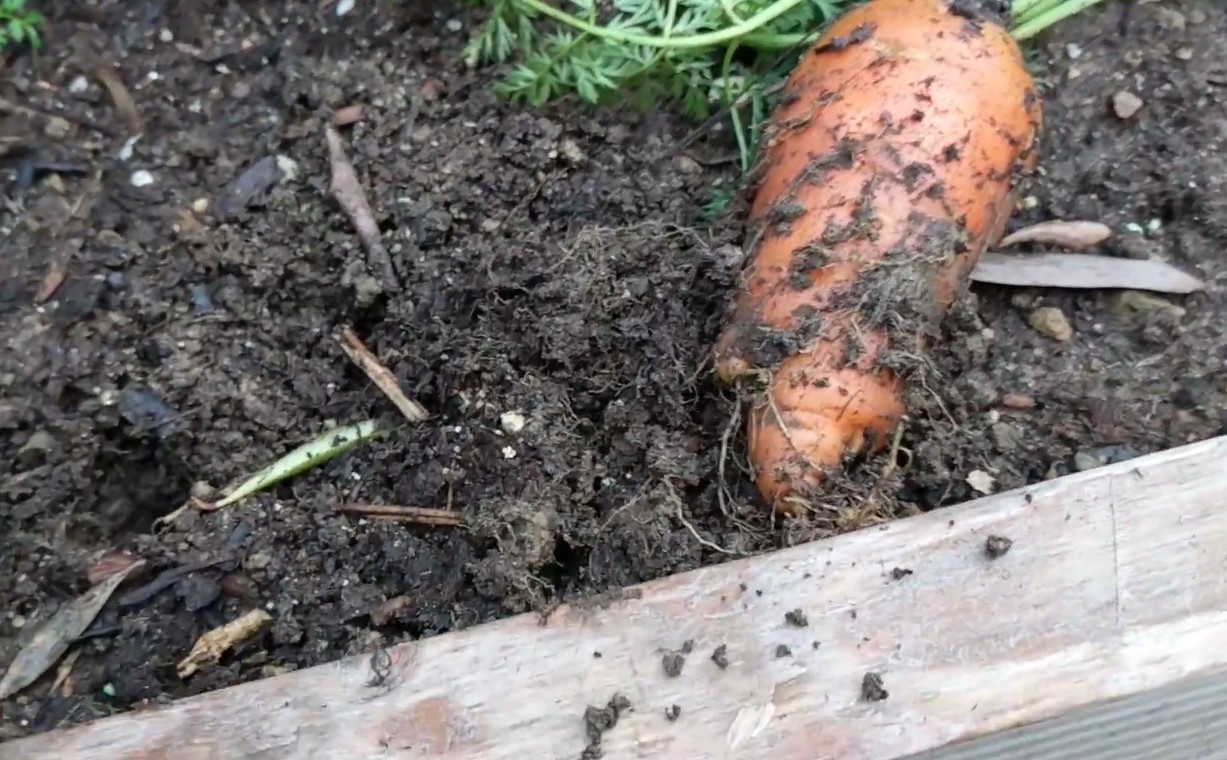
885 171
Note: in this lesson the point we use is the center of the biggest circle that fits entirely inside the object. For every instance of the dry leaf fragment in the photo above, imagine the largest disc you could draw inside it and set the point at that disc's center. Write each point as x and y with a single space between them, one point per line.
210 646
1080 270
348 192
58 633
388 609
124 104
51 283
347 115
109 563
1066 234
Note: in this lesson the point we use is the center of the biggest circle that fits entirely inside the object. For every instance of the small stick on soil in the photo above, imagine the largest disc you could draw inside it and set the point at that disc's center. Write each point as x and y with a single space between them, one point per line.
380 375
420 515
8 106
348 192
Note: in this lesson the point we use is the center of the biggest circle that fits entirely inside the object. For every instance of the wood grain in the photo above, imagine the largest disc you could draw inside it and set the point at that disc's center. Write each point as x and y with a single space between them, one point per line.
1116 583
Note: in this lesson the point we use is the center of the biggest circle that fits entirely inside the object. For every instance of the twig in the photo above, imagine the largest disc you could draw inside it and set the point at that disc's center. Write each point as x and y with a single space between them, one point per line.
420 515
348 192
380 375
8 106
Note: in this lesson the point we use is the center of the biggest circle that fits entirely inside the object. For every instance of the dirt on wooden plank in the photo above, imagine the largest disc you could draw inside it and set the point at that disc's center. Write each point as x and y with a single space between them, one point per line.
552 290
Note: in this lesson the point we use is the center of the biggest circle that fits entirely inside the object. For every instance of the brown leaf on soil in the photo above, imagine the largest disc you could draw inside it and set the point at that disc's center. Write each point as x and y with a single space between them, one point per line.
347 115
124 104
62 685
50 284
1066 234
212 645
1082 271
109 563
53 639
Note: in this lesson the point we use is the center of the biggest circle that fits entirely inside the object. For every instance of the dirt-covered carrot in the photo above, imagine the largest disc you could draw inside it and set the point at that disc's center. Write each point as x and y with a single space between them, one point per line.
884 172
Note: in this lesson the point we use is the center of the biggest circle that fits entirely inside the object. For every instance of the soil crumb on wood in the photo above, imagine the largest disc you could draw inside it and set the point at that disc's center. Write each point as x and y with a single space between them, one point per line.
599 720
997 546
720 656
796 618
872 688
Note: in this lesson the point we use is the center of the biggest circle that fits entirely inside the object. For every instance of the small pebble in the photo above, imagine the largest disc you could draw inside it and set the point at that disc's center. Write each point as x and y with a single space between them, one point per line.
78 85
1084 461
688 165
572 152
57 128
1125 104
344 7
1051 322
202 302
141 178
980 481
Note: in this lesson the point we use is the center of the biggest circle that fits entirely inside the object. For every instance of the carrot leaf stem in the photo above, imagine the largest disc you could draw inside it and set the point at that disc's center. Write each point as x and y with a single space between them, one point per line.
1042 14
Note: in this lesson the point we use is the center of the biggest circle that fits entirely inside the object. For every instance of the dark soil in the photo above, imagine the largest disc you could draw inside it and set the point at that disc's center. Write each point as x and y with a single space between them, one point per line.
550 263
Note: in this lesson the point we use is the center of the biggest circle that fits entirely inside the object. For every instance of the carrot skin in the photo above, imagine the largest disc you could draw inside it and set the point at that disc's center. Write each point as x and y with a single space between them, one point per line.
887 168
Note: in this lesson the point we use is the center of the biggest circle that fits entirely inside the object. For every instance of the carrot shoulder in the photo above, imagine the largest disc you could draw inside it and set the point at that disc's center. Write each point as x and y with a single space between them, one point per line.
886 169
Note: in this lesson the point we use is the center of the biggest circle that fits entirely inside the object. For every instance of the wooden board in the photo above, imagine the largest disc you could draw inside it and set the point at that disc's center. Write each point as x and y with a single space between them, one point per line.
1116 584
1185 720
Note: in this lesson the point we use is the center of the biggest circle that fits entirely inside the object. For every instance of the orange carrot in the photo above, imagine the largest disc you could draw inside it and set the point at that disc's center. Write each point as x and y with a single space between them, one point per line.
885 171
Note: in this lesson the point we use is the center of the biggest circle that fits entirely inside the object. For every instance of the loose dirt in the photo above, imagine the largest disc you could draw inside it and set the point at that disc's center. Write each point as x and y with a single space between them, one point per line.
556 291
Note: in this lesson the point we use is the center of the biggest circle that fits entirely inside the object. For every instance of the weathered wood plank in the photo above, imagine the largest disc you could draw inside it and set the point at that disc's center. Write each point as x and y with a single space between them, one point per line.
1116 584
1186 719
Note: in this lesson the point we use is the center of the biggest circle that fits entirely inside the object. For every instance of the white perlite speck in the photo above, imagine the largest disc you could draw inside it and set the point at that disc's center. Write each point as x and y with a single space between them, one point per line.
512 422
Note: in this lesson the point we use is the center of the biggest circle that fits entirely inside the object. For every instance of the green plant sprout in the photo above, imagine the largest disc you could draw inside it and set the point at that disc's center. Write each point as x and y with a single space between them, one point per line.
702 55
326 446
19 25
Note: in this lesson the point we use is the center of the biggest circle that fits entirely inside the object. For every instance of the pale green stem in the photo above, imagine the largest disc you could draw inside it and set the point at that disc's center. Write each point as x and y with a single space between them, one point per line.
742 30
1023 7
1038 22
1036 9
